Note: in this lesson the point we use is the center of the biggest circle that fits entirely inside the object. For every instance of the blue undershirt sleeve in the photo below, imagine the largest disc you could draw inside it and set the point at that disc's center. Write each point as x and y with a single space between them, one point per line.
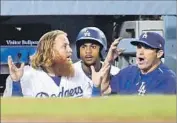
16 88
96 91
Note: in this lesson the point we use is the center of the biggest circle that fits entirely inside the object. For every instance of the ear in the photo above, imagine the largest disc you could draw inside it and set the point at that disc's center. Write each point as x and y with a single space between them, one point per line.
160 53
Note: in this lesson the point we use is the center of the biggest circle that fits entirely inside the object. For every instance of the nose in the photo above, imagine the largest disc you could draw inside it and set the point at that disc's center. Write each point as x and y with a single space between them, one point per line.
70 50
140 50
88 50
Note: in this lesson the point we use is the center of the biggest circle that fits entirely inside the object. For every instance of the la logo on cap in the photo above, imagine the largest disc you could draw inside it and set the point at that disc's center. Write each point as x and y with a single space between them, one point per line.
87 33
145 35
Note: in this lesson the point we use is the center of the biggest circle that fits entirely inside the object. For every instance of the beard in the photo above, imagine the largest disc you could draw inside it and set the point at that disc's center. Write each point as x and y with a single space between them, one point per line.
62 67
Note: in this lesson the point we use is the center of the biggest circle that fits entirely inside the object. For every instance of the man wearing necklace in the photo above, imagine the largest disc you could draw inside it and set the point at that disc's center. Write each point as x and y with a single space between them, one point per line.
91 46
149 75
51 73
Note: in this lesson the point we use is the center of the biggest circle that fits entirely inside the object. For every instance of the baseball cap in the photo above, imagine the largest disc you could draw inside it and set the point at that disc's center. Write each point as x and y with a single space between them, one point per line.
151 39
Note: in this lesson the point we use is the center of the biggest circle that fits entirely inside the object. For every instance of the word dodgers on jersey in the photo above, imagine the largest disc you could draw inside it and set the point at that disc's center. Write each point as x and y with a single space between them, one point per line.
37 83
77 92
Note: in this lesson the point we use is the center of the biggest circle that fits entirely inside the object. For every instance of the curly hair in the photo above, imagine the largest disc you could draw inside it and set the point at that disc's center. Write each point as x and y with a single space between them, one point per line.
44 53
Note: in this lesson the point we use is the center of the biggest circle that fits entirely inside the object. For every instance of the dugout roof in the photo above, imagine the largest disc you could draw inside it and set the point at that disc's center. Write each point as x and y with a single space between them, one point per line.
88 7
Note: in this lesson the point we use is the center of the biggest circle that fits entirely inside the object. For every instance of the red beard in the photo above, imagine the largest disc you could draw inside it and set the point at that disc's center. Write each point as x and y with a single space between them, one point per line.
62 67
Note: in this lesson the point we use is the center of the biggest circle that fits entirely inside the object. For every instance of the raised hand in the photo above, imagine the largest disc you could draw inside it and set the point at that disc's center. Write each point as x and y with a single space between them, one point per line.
113 52
98 77
15 73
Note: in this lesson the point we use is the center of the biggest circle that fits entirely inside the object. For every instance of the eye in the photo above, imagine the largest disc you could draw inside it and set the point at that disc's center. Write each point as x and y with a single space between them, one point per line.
139 46
93 46
65 46
83 46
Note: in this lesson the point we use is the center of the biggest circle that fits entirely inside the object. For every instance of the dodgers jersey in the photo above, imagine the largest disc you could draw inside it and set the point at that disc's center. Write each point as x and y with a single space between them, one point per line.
84 78
131 81
37 83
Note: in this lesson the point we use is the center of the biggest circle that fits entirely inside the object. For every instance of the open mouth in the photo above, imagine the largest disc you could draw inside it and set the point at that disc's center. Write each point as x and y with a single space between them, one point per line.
69 58
141 60
88 58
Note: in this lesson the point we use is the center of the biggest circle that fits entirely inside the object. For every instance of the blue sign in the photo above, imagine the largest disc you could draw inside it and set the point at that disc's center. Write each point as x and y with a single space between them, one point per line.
18 53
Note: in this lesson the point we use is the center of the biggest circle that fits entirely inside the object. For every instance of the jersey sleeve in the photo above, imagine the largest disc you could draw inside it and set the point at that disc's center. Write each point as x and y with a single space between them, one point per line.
12 88
114 83
170 86
8 89
26 81
167 81
117 79
25 84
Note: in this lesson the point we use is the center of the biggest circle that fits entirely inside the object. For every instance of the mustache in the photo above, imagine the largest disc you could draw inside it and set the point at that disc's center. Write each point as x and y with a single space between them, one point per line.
62 67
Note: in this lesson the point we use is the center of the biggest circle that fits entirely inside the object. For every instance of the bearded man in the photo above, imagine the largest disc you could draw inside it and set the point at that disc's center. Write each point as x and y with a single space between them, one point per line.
51 73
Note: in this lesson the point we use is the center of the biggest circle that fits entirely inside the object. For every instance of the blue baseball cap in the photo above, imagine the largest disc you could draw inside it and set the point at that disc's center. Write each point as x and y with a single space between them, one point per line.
151 39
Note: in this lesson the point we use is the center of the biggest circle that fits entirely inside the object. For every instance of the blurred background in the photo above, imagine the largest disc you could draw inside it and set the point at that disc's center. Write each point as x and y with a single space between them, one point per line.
22 23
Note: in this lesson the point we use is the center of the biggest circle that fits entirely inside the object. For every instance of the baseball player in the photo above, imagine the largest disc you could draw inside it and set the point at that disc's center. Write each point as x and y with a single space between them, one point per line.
51 73
91 46
150 75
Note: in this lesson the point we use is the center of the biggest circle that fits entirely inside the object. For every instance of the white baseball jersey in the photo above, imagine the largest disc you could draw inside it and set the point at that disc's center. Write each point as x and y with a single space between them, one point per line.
84 78
37 83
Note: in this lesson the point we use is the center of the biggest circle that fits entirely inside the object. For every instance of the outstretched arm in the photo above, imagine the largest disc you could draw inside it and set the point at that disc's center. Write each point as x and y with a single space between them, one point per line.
113 53
13 85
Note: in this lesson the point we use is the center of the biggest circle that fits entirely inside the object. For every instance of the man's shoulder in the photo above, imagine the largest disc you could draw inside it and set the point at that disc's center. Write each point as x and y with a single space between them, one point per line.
129 71
130 68
164 70
77 64
78 69
29 70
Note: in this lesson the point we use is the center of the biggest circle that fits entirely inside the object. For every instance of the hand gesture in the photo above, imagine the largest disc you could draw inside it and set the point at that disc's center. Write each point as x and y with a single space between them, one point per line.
113 52
97 77
15 73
